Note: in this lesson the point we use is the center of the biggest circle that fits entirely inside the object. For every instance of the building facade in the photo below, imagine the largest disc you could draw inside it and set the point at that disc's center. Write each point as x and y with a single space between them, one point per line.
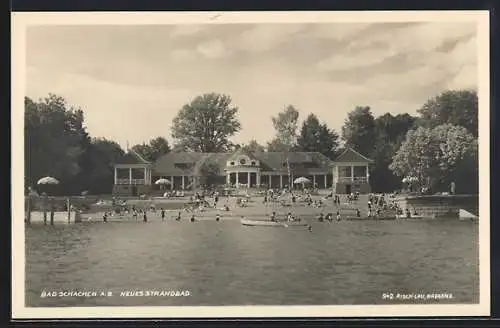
186 170
351 173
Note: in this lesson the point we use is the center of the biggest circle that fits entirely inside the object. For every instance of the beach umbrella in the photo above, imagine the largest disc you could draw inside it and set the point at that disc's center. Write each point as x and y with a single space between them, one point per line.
48 181
48 184
301 180
162 182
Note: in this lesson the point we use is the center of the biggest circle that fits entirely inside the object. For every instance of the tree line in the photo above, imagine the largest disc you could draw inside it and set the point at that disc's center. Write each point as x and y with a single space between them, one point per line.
438 145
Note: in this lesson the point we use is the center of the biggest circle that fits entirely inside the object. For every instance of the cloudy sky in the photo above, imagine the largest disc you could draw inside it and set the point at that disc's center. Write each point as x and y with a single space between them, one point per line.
132 80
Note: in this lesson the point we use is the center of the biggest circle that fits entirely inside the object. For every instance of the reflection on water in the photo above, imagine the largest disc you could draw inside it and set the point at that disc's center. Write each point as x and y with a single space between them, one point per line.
224 263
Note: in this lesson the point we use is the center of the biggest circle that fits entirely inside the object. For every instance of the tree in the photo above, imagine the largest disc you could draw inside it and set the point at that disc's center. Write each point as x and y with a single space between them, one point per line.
253 147
276 145
285 124
435 155
390 132
97 162
457 107
55 139
153 150
358 131
205 124
316 137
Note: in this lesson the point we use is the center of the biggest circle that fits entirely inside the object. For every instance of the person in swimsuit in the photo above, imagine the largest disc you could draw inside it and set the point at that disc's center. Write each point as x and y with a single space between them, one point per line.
193 218
145 217
273 216
217 217
320 217
178 216
105 217
163 214
338 216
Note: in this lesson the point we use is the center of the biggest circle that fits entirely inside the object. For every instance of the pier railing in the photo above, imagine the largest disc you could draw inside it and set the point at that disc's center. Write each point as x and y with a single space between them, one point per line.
353 180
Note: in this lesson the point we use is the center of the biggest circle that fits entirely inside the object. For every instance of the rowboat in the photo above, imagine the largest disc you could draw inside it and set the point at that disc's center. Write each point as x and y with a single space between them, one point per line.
403 216
269 223
466 215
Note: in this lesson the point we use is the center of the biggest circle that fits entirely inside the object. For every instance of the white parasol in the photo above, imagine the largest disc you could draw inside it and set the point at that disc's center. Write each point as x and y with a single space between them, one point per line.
301 180
162 181
48 181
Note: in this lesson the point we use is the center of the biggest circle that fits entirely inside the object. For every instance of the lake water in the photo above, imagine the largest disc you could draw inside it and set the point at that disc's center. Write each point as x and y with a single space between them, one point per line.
342 263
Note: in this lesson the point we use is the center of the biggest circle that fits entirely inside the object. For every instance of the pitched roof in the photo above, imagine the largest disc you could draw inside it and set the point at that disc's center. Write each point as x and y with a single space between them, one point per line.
132 157
241 152
188 163
350 155
166 165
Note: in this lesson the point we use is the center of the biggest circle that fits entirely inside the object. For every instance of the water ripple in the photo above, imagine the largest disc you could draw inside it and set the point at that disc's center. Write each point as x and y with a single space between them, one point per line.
227 264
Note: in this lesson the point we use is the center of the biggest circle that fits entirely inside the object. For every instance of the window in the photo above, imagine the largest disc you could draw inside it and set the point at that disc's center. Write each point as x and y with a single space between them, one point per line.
231 163
243 161
253 163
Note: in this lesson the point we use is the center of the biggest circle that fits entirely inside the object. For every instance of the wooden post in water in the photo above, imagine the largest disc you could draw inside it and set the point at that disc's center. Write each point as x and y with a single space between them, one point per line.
68 207
52 211
45 205
28 215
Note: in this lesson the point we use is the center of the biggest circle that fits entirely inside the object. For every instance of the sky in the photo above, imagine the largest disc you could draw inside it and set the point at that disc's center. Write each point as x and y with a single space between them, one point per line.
131 80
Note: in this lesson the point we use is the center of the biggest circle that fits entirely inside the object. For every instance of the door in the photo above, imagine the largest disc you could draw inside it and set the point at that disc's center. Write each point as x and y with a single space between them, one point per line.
134 191
348 189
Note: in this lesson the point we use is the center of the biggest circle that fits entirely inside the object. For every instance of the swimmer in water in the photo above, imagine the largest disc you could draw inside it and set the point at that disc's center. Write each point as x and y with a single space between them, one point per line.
193 218
320 217
273 216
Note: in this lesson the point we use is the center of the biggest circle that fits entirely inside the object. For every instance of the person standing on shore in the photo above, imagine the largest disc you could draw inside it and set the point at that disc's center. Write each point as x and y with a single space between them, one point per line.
452 188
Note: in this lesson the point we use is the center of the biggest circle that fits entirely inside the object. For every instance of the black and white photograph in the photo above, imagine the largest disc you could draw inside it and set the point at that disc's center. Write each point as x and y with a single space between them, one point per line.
250 164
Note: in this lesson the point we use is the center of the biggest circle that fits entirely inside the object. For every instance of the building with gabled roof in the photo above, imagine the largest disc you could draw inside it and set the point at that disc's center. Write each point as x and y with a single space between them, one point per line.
347 173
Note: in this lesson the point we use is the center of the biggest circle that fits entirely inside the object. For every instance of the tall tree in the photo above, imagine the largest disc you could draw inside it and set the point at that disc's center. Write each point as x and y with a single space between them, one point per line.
390 132
358 131
285 124
317 137
276 145
435 155
458 107
55 138
153 150
98 160
253 147
205 124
